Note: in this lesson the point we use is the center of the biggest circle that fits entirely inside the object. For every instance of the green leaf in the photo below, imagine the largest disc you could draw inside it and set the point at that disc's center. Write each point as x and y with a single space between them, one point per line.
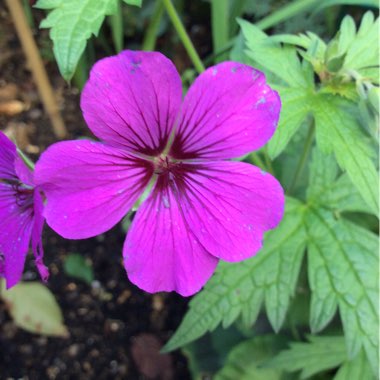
72 23
272 57
362 50
240 289
75 265
322 353
330 192
358 368
338 131
246 359
343 273
34 308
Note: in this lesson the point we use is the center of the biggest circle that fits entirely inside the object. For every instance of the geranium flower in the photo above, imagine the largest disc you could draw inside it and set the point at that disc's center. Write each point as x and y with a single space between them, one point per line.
21 219
201 208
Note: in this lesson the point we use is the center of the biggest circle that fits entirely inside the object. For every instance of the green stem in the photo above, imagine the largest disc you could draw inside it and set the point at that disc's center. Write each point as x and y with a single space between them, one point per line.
301 163
150 37
268 161
28 162
177 23
117 29
219 26
287 11
256 159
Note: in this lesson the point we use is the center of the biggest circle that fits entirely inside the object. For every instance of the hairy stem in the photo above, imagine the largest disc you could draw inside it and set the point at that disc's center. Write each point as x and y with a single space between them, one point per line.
177 23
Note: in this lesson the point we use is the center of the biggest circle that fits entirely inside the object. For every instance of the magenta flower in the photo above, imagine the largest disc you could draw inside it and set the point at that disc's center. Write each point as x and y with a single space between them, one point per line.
21 219
201 207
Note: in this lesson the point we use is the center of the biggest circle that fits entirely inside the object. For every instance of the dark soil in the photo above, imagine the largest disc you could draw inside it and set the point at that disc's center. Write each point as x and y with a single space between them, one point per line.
115 329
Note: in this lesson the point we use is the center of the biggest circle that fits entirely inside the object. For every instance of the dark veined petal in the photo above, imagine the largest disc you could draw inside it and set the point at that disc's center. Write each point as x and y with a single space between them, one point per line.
196 214
38 225
132 100
161 251
89 186
8 154
229 111
16 224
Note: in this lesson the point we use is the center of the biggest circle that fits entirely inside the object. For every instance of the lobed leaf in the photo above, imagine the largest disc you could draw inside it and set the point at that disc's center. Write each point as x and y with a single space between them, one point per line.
343 273
72 23
358 368
245 361
330 192
240 289
320 354
338 131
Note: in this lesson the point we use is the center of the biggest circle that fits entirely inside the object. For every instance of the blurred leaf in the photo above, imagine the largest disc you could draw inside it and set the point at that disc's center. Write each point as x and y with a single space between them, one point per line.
34 308
321 353
358 368
362 3
240 289
246 359
338 131
72 23
343 272
207 354
75 265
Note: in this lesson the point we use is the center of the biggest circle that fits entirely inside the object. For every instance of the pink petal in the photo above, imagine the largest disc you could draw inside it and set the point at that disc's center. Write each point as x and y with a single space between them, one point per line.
89 186
228 112
16 222
7 157
229 206
197 213
37 246
131 100
161 252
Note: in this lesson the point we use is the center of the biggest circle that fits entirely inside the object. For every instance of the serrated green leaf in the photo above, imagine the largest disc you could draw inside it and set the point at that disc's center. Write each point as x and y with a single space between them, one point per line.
34 308
320 354
343 272
330 192
72 23
358 368
75 265
363 50
240 289
279 61
246 359
338 131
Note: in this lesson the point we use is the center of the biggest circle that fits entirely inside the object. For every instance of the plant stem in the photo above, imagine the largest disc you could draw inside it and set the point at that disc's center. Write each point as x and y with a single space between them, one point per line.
219 26
268 161
301 163
28 162
177 23
117 29
287 11
256 159
150 37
